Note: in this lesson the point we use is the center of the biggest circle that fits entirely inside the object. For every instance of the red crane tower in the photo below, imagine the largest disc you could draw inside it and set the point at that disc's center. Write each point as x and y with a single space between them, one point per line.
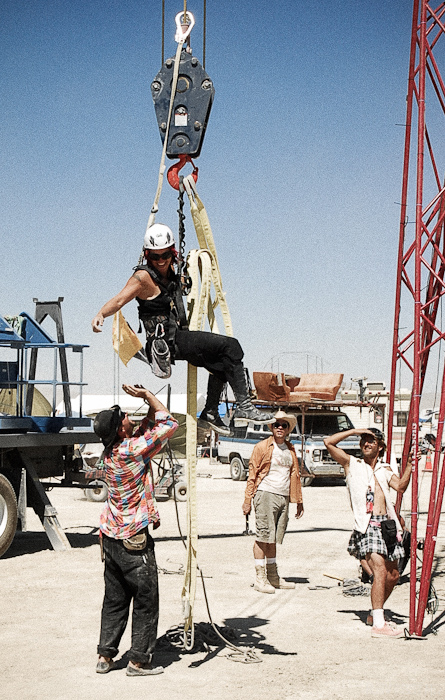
418 328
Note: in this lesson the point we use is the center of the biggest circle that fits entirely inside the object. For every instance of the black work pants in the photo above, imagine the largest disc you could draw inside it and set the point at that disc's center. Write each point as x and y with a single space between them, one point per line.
218 354
129 576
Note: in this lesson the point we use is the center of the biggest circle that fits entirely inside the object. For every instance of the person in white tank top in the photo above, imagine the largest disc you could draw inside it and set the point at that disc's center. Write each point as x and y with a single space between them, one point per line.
368 482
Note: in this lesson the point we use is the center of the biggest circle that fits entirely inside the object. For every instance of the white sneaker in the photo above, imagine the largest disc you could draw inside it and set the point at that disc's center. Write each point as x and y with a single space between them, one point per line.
388 630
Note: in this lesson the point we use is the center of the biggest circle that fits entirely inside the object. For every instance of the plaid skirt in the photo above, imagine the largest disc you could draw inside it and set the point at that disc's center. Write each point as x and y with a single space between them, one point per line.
372 541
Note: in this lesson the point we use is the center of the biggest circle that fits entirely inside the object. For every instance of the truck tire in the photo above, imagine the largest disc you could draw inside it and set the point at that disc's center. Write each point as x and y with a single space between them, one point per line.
181 491
100 492
307 480
8 514
237 471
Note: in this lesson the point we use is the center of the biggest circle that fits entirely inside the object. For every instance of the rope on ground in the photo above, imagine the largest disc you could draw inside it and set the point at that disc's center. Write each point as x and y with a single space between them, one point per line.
205 637
354 587
190 639
179 570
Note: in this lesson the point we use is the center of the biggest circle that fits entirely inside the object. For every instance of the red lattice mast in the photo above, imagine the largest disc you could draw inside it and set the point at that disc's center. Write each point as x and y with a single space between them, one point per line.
420 271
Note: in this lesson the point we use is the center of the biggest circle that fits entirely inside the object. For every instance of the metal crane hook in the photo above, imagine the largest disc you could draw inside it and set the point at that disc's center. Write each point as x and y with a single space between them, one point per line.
173 171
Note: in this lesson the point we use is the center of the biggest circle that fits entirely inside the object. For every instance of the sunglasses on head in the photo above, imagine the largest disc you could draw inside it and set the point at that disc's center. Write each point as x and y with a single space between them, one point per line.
281 425
160 256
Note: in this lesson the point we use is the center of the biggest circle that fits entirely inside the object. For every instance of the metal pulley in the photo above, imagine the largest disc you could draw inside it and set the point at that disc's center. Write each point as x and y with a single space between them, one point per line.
191 106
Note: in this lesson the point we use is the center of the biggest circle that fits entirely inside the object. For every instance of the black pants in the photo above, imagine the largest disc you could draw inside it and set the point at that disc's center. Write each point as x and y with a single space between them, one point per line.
129 576
219 354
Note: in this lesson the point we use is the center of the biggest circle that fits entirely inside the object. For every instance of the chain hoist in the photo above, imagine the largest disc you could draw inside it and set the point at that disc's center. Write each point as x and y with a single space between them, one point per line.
186 281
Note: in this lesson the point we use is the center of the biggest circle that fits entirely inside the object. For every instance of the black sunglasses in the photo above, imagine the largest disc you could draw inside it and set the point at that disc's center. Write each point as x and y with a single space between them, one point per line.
281 425
160 256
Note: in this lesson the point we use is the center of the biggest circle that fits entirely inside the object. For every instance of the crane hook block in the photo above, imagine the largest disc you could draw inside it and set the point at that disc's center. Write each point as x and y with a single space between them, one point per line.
191 106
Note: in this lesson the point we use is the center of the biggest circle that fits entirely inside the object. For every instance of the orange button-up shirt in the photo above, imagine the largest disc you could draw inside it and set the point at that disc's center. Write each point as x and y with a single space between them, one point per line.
259 466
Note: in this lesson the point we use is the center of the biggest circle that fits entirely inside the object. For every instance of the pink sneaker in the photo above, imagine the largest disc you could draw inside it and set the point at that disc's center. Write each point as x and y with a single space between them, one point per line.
388 630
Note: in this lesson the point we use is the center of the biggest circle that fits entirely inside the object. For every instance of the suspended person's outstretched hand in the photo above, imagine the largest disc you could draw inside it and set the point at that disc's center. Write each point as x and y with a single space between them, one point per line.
97 323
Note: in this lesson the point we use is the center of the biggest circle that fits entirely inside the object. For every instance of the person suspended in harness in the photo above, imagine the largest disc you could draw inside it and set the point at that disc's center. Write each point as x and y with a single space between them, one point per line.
156 287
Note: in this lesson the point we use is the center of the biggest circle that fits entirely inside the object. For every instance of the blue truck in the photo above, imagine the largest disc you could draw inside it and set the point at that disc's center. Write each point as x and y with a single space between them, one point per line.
35 443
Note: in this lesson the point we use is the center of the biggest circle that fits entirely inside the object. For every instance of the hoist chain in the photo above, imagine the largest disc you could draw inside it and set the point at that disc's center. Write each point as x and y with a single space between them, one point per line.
186 281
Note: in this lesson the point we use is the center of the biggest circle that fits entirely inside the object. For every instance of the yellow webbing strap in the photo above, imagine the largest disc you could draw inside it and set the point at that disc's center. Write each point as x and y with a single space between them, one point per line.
202 265
205 239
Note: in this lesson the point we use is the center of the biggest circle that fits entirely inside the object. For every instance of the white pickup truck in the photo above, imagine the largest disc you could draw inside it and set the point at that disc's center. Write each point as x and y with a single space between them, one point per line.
313 424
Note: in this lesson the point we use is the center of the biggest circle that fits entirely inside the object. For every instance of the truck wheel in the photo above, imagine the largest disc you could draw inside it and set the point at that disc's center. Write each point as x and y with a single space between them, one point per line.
100 492
8 514
237 471
181 491
307 480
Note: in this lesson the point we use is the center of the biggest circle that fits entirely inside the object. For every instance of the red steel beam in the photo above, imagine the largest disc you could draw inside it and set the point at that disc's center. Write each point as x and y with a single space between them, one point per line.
420 277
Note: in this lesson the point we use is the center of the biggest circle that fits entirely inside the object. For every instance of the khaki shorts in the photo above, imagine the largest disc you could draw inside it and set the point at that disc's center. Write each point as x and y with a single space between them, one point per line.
271 516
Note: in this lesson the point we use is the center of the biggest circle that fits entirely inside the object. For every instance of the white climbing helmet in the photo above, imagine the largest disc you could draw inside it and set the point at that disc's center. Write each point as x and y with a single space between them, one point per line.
158 236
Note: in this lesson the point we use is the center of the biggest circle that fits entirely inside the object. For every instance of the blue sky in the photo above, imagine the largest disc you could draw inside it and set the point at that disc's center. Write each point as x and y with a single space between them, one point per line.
300 169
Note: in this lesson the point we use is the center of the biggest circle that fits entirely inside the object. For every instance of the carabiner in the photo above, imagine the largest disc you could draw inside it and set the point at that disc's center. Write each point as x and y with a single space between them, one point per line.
173 171
180 34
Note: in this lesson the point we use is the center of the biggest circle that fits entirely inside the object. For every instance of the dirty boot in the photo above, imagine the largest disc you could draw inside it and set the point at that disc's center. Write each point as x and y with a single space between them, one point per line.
211 419
261 583
275 580
245 410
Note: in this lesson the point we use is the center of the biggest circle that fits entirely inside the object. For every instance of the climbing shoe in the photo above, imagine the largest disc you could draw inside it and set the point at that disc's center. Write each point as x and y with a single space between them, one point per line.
208 419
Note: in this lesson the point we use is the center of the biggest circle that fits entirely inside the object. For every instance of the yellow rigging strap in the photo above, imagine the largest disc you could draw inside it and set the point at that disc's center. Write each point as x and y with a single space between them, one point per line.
206 242
201 264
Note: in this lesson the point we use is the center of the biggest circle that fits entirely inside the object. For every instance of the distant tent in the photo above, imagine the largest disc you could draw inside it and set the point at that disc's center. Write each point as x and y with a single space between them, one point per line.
8 403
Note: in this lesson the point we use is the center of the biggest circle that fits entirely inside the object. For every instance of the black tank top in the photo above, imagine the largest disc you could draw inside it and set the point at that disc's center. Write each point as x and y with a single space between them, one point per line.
167 308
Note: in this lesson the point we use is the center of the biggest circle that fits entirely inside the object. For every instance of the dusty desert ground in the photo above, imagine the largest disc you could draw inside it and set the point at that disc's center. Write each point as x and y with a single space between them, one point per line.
310 643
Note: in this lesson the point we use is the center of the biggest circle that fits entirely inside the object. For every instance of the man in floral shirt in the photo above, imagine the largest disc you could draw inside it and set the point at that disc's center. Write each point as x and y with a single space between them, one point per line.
128 548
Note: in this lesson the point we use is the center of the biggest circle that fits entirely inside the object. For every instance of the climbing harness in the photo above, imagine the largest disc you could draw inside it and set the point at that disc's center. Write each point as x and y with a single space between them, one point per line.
160 354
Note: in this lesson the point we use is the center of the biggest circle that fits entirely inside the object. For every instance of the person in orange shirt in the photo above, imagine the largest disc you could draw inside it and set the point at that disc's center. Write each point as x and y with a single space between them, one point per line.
273 482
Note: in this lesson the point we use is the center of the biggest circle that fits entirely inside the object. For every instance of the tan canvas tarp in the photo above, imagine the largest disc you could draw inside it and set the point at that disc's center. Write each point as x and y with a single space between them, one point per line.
8 403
